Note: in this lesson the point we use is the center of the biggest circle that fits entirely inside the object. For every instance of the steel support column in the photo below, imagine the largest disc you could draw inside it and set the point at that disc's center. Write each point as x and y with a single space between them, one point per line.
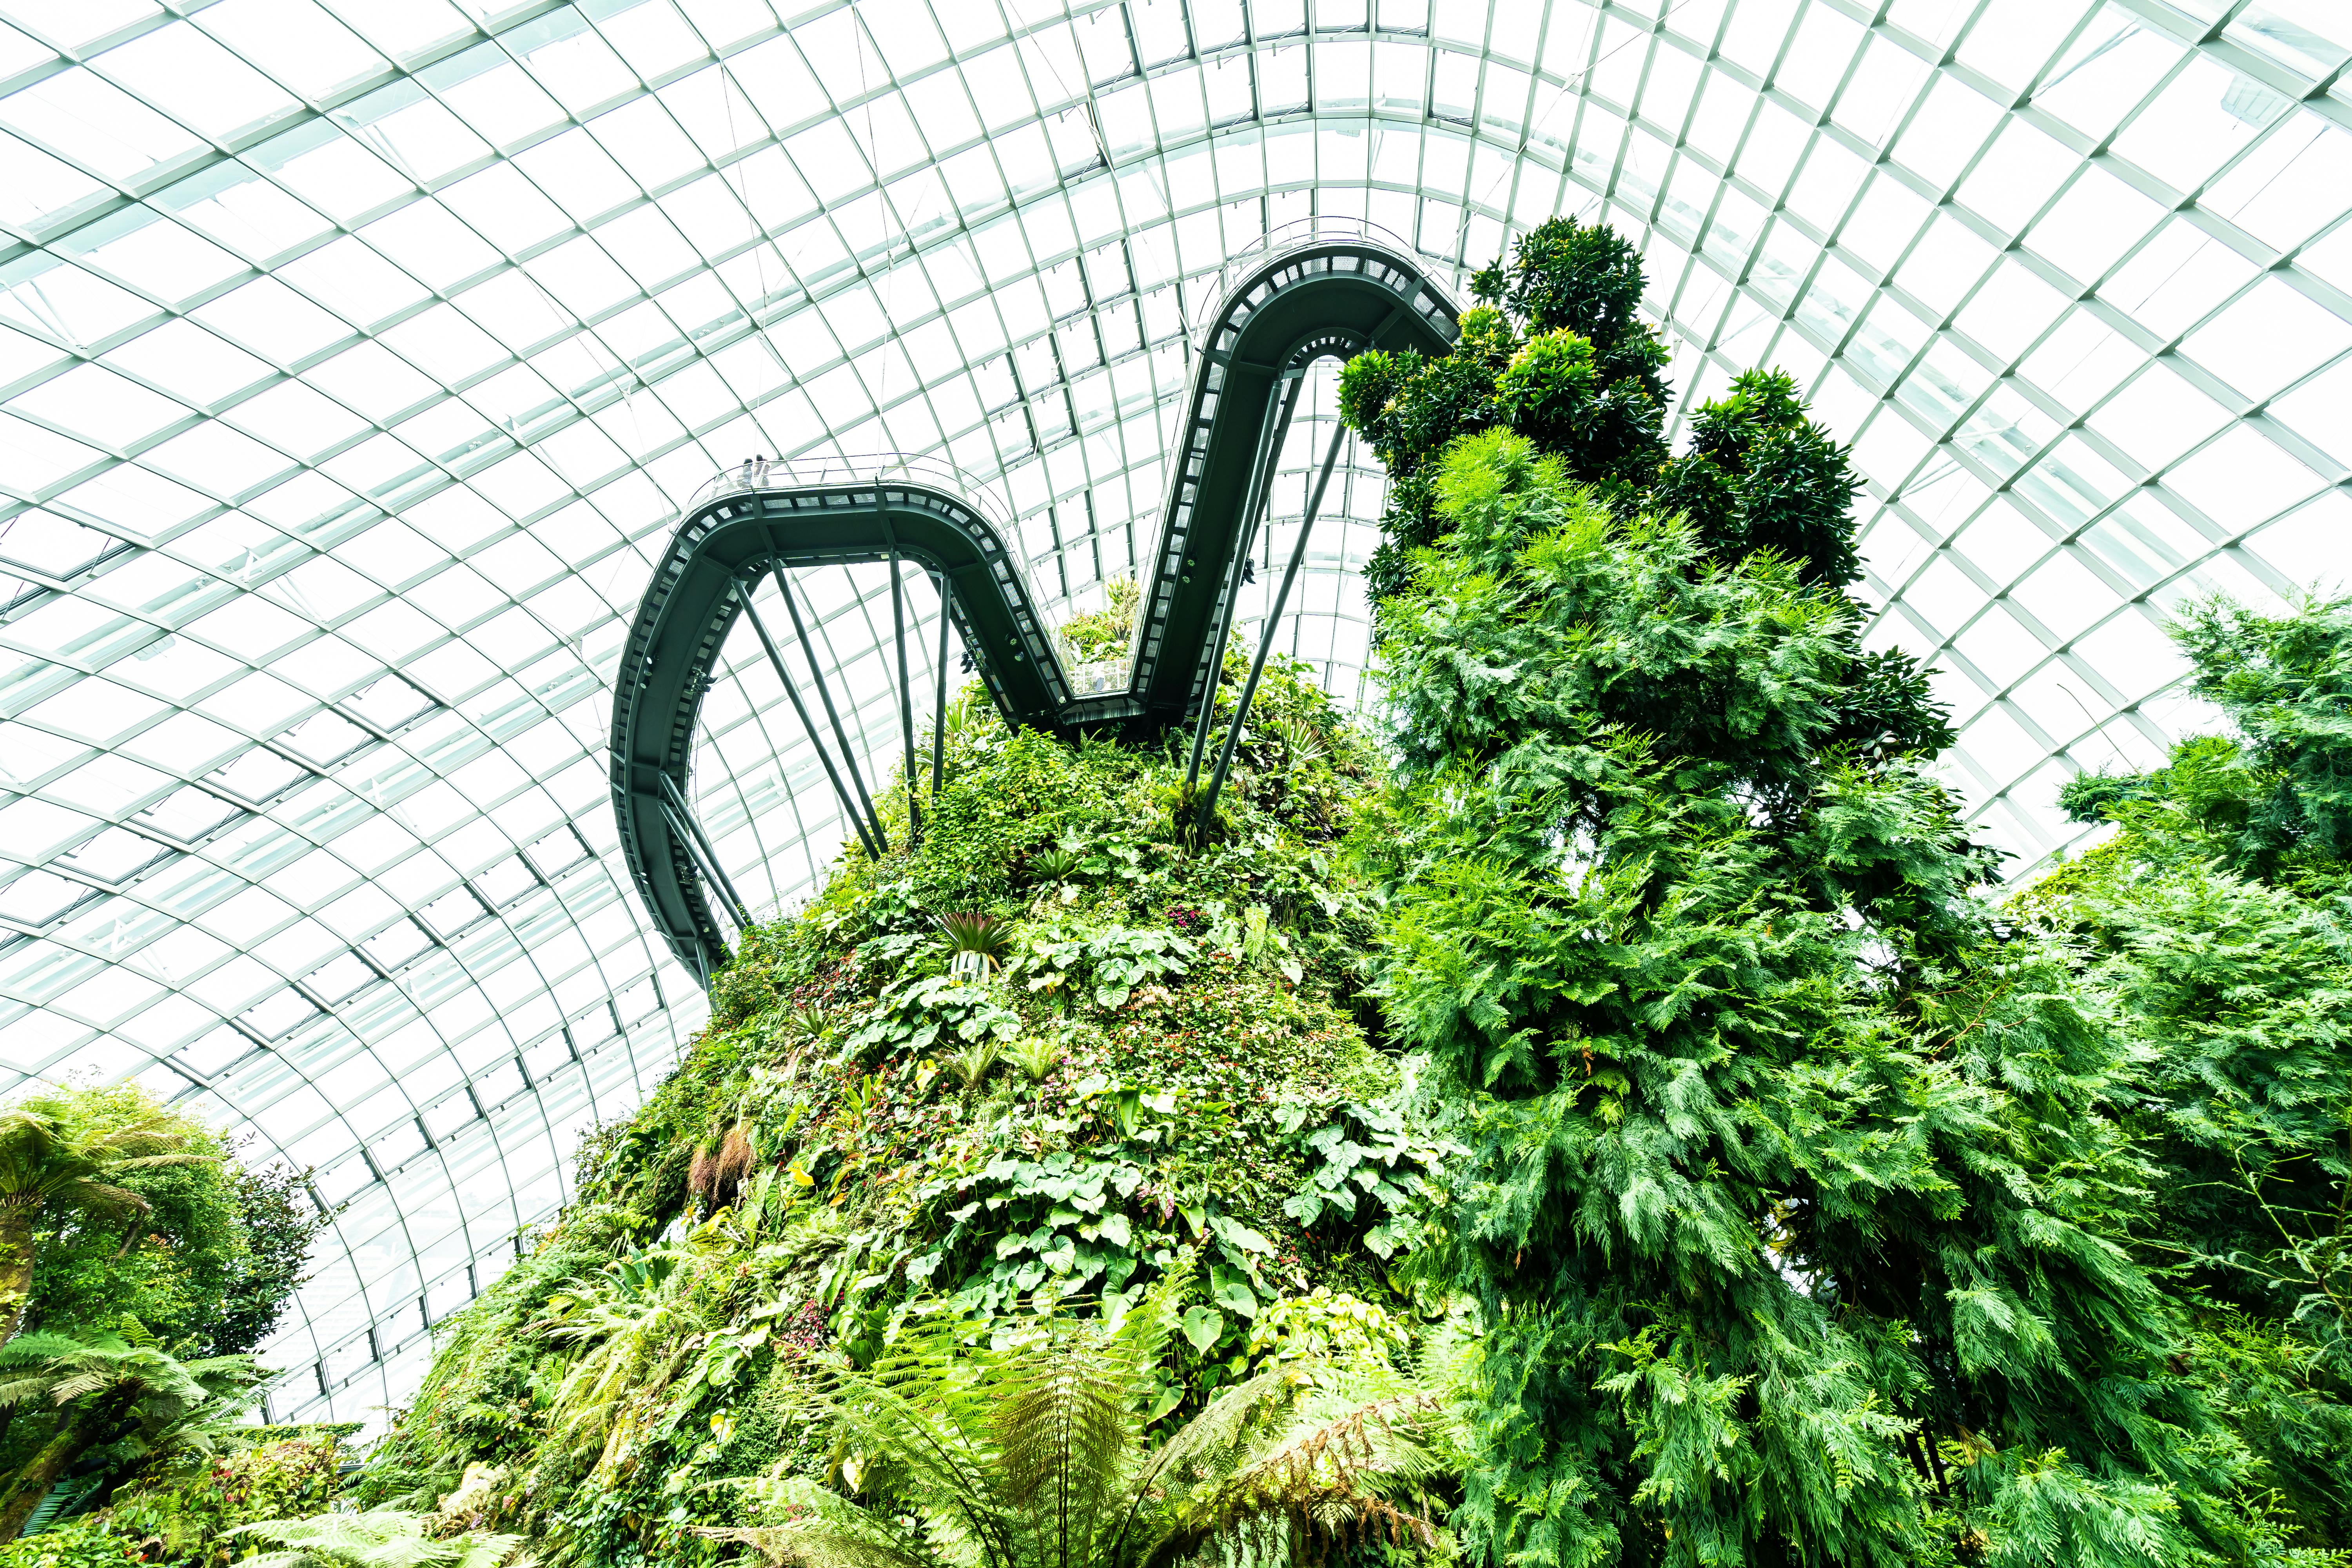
1273 619
1284 396
840 790
825 695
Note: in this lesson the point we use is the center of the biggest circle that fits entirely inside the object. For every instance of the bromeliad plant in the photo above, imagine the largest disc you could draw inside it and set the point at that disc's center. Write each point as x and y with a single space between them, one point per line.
976 943
1028 1448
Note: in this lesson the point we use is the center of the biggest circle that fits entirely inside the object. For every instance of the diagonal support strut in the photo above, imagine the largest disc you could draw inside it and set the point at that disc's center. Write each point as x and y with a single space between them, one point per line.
841 790
939 701
1273 619
1282 396
880 842
698 848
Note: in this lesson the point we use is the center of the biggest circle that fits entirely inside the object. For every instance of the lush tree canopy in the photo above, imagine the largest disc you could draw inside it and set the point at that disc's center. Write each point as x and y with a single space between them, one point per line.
1819 1209
139 1263
1789 1200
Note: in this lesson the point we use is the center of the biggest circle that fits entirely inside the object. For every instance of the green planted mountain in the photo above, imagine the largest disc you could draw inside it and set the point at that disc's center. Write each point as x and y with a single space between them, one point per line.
1057 1058
1611 1116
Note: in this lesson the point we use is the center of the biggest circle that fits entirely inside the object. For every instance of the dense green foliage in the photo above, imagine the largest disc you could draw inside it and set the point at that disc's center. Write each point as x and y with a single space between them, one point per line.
1555 351
1817 1212
1037 1059
1557 354
179 1511
139 1263
1799 1240
2275 800
383 1537
1642 1023
1024 1445
2214 934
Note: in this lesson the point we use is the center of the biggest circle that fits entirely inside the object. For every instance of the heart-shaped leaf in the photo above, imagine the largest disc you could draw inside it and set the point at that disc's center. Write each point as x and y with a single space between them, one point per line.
1204 1326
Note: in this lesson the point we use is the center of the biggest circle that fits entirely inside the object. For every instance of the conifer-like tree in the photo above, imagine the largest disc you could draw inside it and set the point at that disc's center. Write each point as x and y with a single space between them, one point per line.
1557 352
1790 1202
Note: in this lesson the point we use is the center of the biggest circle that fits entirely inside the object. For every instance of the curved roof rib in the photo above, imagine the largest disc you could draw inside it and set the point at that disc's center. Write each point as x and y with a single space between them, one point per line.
356 359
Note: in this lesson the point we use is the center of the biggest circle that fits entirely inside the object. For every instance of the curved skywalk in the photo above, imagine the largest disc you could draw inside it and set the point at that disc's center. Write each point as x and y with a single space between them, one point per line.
355 356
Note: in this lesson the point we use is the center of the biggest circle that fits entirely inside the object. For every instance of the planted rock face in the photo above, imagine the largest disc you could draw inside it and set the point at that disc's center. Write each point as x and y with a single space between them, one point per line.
1044 1061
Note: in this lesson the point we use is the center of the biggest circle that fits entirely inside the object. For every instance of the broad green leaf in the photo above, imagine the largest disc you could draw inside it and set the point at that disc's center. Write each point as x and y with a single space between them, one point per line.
1203 1327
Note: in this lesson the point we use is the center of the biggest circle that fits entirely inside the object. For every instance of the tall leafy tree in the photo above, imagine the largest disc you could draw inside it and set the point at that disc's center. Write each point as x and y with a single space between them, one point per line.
277 1223
1557 352
140 1262
70 1155
1789 1201
104 1386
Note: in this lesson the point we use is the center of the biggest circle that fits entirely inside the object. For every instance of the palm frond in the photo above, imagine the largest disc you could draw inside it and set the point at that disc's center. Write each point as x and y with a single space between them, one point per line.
1035 1055
930 1455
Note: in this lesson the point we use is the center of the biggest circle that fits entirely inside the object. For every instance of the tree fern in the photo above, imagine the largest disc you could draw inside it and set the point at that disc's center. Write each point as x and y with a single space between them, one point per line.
385 1539
1026 1450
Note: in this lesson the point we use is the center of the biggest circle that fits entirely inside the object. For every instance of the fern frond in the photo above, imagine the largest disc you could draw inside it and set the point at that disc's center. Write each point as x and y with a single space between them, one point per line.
1063 1433
75 1386
383 1539
45 1344
823 1530
1323 1478
1193 1453
815 1546
16 1390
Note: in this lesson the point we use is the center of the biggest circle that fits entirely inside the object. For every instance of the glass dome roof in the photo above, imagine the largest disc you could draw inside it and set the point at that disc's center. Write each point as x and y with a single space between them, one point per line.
355 356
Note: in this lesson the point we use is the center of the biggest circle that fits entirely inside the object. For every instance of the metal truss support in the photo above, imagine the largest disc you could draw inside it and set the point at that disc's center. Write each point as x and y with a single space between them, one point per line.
1283 396
880 843
840 790
906 687
940 699
698 849
1326 293
1273 619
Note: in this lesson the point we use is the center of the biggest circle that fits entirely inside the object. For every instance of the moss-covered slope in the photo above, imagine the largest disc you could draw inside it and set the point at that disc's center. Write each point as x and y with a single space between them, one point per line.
1150 1050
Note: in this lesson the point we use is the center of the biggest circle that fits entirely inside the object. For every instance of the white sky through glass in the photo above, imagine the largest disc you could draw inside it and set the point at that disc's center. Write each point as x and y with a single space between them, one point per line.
355 356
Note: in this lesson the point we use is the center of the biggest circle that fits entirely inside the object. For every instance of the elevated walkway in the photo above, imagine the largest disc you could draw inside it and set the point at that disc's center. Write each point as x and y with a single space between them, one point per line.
1318 289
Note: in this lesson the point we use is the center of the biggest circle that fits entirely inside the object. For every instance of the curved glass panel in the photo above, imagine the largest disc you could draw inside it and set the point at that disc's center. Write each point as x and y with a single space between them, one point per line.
355 357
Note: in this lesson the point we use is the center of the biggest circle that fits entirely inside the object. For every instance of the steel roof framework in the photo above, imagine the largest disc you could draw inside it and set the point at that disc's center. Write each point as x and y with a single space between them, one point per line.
354 358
